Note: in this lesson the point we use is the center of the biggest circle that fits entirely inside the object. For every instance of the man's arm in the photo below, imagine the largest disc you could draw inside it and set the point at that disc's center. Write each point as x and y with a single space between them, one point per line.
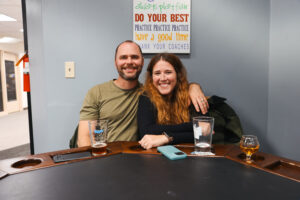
89 111
198 98
83 134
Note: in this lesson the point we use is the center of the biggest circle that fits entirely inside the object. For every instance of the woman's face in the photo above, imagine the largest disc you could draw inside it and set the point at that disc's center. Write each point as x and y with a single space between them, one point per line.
164 77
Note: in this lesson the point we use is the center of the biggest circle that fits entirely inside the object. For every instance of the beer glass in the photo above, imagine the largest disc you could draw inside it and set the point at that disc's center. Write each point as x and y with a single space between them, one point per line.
203 128
98 135
249 145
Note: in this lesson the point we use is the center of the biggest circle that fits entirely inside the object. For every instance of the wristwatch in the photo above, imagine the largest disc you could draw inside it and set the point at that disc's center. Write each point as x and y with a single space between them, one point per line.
169 138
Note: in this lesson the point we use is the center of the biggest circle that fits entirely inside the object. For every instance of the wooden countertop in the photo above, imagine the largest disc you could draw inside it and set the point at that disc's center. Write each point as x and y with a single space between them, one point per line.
270 163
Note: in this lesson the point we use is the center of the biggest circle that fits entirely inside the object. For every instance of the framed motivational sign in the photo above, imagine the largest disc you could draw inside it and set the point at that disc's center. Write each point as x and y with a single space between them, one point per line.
162 25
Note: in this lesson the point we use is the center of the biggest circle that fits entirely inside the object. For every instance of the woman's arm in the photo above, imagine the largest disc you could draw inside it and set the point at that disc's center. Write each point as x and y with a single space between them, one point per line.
147 124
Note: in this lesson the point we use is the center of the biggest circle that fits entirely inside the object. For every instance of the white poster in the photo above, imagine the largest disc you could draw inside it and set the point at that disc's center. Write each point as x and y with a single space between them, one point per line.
162 25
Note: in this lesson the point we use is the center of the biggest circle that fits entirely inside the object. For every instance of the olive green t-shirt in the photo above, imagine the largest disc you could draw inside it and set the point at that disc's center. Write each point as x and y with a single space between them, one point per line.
108 102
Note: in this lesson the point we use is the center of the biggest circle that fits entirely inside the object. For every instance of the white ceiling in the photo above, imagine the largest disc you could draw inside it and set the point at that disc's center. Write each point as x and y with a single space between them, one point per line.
12 8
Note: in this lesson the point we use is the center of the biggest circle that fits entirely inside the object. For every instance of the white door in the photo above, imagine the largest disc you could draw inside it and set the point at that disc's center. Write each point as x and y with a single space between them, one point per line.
11 84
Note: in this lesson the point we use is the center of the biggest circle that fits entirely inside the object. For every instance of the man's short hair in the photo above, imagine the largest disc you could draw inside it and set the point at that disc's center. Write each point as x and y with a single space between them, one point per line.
127 41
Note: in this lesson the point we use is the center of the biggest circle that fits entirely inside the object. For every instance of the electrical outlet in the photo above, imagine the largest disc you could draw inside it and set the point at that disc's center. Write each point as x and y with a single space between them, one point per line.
69 69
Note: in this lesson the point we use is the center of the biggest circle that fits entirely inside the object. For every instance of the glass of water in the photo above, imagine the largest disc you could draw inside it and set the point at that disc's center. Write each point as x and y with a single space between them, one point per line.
203 128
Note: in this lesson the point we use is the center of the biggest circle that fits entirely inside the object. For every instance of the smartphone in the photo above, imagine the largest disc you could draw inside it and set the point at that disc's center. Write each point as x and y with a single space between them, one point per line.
71 156
171 152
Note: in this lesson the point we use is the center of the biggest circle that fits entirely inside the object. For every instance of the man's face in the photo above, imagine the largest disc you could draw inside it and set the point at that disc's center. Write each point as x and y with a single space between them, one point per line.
129 61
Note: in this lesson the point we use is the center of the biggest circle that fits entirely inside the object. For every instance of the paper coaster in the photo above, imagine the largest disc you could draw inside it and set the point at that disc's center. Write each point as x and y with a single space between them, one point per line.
203 153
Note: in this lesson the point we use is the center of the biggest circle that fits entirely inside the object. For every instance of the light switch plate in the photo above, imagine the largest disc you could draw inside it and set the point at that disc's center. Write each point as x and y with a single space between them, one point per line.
69 69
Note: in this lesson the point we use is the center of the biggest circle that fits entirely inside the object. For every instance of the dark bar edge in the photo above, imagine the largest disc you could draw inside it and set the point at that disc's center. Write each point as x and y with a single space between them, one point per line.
28 93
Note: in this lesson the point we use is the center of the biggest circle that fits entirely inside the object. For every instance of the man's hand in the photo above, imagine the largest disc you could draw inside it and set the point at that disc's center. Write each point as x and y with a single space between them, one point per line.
83 134
149 141
198 98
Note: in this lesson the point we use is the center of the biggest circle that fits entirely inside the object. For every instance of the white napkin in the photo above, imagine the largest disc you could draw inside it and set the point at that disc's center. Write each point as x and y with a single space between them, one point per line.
203 153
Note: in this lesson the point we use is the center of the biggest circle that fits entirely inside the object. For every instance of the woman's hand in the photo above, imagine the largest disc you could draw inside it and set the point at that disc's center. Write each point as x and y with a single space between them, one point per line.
150 141
198 98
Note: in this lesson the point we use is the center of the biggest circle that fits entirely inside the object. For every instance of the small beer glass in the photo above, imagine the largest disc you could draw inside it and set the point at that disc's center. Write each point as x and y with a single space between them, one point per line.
98 135
249 145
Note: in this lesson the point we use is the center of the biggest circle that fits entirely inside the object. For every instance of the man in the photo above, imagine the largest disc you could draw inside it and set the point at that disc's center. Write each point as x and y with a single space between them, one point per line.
117 100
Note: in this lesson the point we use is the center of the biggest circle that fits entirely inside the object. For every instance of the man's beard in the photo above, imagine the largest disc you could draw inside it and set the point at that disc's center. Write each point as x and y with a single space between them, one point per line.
129 78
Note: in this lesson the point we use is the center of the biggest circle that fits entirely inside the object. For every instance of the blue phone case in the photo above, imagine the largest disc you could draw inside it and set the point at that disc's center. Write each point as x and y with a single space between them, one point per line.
171 152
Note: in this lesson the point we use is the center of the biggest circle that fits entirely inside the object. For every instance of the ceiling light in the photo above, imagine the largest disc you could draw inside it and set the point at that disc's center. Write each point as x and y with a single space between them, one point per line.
21 30
9 40
5 18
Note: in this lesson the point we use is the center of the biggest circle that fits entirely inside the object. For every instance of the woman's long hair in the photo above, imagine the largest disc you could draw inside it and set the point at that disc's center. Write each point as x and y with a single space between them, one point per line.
174 108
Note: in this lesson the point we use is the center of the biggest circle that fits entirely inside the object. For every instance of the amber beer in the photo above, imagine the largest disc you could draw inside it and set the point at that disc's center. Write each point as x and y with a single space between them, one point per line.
249 150
249 145
99 149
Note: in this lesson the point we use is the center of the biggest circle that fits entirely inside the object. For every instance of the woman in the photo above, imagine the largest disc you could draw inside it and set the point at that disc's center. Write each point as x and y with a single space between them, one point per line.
164 111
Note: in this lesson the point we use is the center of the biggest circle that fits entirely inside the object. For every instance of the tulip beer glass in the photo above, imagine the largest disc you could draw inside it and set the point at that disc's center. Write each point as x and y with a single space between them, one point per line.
249 145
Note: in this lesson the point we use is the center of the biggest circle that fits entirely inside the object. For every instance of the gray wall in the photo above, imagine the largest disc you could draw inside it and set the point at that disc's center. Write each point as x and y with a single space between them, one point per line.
230 41
229 57
284 81
85 32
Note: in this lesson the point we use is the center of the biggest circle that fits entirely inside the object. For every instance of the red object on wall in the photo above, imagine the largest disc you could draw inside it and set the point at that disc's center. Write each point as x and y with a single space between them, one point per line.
26 74
26 77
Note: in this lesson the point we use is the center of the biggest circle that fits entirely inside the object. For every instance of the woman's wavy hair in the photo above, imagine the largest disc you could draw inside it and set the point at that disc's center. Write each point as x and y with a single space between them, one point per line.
174 108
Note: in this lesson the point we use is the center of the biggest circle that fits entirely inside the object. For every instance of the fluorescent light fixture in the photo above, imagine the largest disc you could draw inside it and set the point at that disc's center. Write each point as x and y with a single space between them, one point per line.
9 40
5 18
